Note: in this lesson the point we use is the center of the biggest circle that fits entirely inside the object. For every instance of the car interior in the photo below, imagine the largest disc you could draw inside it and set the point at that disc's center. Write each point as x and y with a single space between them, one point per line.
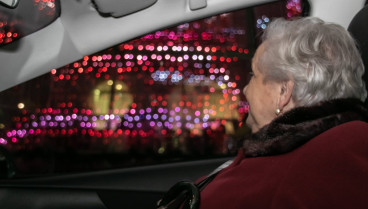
90 115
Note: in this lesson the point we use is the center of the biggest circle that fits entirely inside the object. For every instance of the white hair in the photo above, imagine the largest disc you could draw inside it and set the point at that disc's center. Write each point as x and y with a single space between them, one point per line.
321 58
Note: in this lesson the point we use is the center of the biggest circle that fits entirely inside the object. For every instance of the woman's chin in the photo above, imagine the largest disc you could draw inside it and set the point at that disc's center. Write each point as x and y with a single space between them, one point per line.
250 123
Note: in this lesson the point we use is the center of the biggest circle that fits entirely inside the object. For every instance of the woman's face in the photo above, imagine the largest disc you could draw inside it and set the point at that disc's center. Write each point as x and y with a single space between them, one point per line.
261 95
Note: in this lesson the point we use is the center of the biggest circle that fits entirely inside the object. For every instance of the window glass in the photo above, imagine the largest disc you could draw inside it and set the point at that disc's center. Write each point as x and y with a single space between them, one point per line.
172 95
28 17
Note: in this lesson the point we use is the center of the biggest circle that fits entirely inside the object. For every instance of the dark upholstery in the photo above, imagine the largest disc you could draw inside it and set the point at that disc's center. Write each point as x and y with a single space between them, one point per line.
359 30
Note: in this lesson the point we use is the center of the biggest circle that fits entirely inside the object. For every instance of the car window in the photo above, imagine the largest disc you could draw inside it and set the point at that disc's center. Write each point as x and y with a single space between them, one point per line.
26 18
172 95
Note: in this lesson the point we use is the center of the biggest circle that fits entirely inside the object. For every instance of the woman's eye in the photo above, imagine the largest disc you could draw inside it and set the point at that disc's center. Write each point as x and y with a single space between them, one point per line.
251 73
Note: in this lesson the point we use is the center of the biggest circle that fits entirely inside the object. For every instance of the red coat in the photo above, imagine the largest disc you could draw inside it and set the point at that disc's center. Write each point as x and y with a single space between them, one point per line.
329 171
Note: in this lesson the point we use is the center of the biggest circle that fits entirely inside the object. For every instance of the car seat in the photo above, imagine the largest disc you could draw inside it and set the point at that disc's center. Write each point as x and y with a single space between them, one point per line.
358 28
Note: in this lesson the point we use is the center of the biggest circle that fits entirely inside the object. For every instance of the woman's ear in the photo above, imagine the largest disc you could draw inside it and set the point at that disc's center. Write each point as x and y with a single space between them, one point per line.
285 101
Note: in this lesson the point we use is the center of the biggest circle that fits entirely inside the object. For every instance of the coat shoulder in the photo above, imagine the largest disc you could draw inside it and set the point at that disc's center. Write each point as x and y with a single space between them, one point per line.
331 170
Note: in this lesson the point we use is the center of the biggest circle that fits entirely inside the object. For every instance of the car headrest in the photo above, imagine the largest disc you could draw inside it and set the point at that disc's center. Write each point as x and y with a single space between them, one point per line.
359 30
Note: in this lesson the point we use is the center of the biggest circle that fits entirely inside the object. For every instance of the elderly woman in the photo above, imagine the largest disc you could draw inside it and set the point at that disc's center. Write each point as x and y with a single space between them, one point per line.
309 142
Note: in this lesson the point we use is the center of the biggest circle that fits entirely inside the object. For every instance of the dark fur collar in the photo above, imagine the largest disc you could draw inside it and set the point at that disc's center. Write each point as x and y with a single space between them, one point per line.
299 125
